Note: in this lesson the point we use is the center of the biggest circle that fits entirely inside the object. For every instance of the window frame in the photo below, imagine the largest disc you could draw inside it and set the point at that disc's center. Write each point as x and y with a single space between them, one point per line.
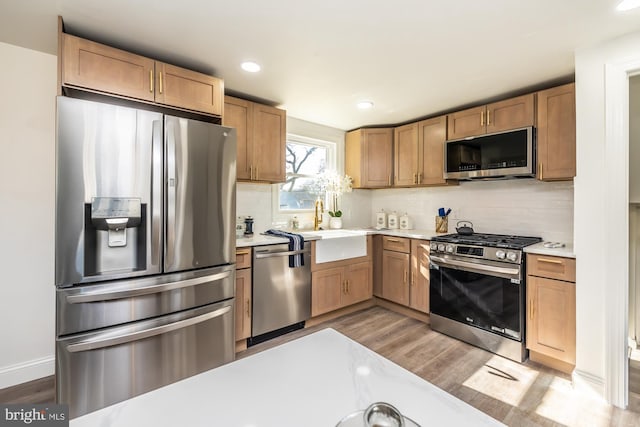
331 165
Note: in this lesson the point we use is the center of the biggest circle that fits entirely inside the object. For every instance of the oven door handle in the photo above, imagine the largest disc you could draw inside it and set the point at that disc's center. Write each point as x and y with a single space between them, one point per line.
478 268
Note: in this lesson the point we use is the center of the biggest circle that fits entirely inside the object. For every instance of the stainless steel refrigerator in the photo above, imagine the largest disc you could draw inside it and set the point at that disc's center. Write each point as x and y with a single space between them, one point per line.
145 251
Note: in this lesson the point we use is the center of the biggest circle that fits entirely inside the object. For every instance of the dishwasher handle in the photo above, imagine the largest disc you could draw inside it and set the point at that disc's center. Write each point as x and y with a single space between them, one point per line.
271 254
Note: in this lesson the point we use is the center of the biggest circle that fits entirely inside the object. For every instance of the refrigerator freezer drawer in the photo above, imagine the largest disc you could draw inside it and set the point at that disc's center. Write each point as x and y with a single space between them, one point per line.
97 369
89 307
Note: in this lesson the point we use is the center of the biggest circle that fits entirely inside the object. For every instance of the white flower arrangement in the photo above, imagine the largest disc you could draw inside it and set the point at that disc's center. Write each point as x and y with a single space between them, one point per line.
335 185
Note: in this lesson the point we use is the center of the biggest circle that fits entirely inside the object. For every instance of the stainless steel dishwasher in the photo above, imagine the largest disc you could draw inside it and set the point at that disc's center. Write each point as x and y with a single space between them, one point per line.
281 294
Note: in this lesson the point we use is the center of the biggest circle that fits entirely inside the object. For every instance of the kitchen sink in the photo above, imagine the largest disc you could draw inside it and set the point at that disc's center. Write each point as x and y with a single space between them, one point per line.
335 245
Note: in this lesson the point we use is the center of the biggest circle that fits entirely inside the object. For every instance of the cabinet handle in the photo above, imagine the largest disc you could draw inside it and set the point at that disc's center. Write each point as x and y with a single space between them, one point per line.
481 118
151 81
251 172
549 261
531 309
415 178
413 278
419 177
540 167
406 276
389 180
393 240
347 285
488 117
344 286
248 308
160 81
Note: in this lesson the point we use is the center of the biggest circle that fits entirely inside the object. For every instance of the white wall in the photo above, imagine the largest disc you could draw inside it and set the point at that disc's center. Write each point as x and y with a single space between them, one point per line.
524 207
601 215
27 190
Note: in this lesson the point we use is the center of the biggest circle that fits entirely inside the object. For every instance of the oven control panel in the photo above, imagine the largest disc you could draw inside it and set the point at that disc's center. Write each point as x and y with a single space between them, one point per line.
481 252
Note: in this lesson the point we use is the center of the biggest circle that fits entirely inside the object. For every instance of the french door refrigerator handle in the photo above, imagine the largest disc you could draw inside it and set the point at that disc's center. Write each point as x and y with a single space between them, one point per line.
144 290
98 343
156 191
171 185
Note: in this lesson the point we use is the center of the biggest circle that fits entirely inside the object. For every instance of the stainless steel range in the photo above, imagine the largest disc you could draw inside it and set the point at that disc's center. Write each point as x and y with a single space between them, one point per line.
478 291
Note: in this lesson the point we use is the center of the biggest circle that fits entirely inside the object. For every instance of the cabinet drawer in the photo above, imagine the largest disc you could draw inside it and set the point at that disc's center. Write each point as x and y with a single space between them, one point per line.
552 267
243 258
398 244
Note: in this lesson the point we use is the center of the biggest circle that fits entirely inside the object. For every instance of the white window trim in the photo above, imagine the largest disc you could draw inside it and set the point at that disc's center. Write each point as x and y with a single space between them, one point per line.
331 165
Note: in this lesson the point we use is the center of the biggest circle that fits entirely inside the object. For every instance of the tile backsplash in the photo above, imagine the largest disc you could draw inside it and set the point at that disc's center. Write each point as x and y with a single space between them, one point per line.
522 207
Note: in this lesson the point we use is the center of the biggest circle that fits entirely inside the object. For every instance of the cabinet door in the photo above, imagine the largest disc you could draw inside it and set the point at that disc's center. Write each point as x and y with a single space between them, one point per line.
359 283
395 277
179 87
465 123
405 155
238 114
353 157
327 287
377 151
432 135
98 67
511 113
419 295
269 139
377 265
243 304
557 133
551 323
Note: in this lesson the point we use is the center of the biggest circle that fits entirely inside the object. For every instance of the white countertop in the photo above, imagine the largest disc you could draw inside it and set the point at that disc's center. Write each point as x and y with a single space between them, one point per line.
259 239
313 381
540 249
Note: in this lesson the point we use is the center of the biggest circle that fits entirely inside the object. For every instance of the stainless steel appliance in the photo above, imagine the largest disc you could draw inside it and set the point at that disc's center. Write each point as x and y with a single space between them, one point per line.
145 246
477 291
509 154
281 294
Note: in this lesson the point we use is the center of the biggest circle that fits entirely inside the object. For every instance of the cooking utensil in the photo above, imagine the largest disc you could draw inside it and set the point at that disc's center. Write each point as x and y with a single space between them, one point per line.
377 414
466 229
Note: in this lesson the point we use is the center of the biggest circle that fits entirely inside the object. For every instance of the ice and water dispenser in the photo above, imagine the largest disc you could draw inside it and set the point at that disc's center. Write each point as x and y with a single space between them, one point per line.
115 235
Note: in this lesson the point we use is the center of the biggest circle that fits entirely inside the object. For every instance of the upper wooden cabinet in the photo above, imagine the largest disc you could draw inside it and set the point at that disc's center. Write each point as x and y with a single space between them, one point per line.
368 157
261 138
503 115
557 133
418 153
97 67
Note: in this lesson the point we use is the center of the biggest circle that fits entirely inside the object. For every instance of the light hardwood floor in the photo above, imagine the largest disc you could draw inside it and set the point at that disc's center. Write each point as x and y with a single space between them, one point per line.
516 394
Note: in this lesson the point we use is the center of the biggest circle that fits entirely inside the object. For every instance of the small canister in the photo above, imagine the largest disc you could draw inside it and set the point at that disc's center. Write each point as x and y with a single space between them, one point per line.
405 222
240 227
393 220
381 219
248 225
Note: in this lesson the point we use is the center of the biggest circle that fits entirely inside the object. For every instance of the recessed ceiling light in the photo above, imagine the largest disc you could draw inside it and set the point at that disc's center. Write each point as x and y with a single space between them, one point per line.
365 105
625 5
250 66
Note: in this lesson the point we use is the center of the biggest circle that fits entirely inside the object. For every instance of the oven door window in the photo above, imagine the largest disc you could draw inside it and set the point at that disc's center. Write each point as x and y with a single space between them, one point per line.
488 302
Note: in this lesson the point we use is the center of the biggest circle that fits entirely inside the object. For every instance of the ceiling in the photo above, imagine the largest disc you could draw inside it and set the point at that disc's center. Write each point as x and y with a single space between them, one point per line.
412 58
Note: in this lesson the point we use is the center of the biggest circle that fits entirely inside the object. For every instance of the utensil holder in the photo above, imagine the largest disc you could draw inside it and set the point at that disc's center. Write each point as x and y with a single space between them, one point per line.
442 224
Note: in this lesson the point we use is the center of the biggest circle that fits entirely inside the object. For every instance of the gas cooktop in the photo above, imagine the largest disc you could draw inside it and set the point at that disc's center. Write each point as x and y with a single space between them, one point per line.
490 240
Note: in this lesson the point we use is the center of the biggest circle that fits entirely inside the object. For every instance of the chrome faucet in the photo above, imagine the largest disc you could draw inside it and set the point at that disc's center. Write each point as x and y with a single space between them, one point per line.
317 217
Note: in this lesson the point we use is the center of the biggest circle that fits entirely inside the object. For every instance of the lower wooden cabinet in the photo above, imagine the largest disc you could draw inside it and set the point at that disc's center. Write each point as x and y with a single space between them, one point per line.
405 272
551 311
243 293
395 277
338 287
419 292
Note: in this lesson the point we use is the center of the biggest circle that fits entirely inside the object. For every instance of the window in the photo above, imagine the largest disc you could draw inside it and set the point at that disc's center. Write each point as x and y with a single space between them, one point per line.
306 159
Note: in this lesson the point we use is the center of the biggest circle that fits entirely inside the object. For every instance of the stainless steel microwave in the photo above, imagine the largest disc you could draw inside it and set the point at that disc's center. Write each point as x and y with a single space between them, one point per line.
509 154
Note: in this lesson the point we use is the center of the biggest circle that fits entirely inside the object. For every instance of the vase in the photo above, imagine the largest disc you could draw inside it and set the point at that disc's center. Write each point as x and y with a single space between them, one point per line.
335 222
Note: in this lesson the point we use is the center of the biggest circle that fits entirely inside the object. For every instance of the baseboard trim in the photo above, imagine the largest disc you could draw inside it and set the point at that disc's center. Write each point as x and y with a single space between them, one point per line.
401 309
340 312
26 371
589 384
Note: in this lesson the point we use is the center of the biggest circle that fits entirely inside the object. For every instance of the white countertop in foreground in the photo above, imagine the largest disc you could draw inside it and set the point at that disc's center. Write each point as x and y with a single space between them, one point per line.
312 381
